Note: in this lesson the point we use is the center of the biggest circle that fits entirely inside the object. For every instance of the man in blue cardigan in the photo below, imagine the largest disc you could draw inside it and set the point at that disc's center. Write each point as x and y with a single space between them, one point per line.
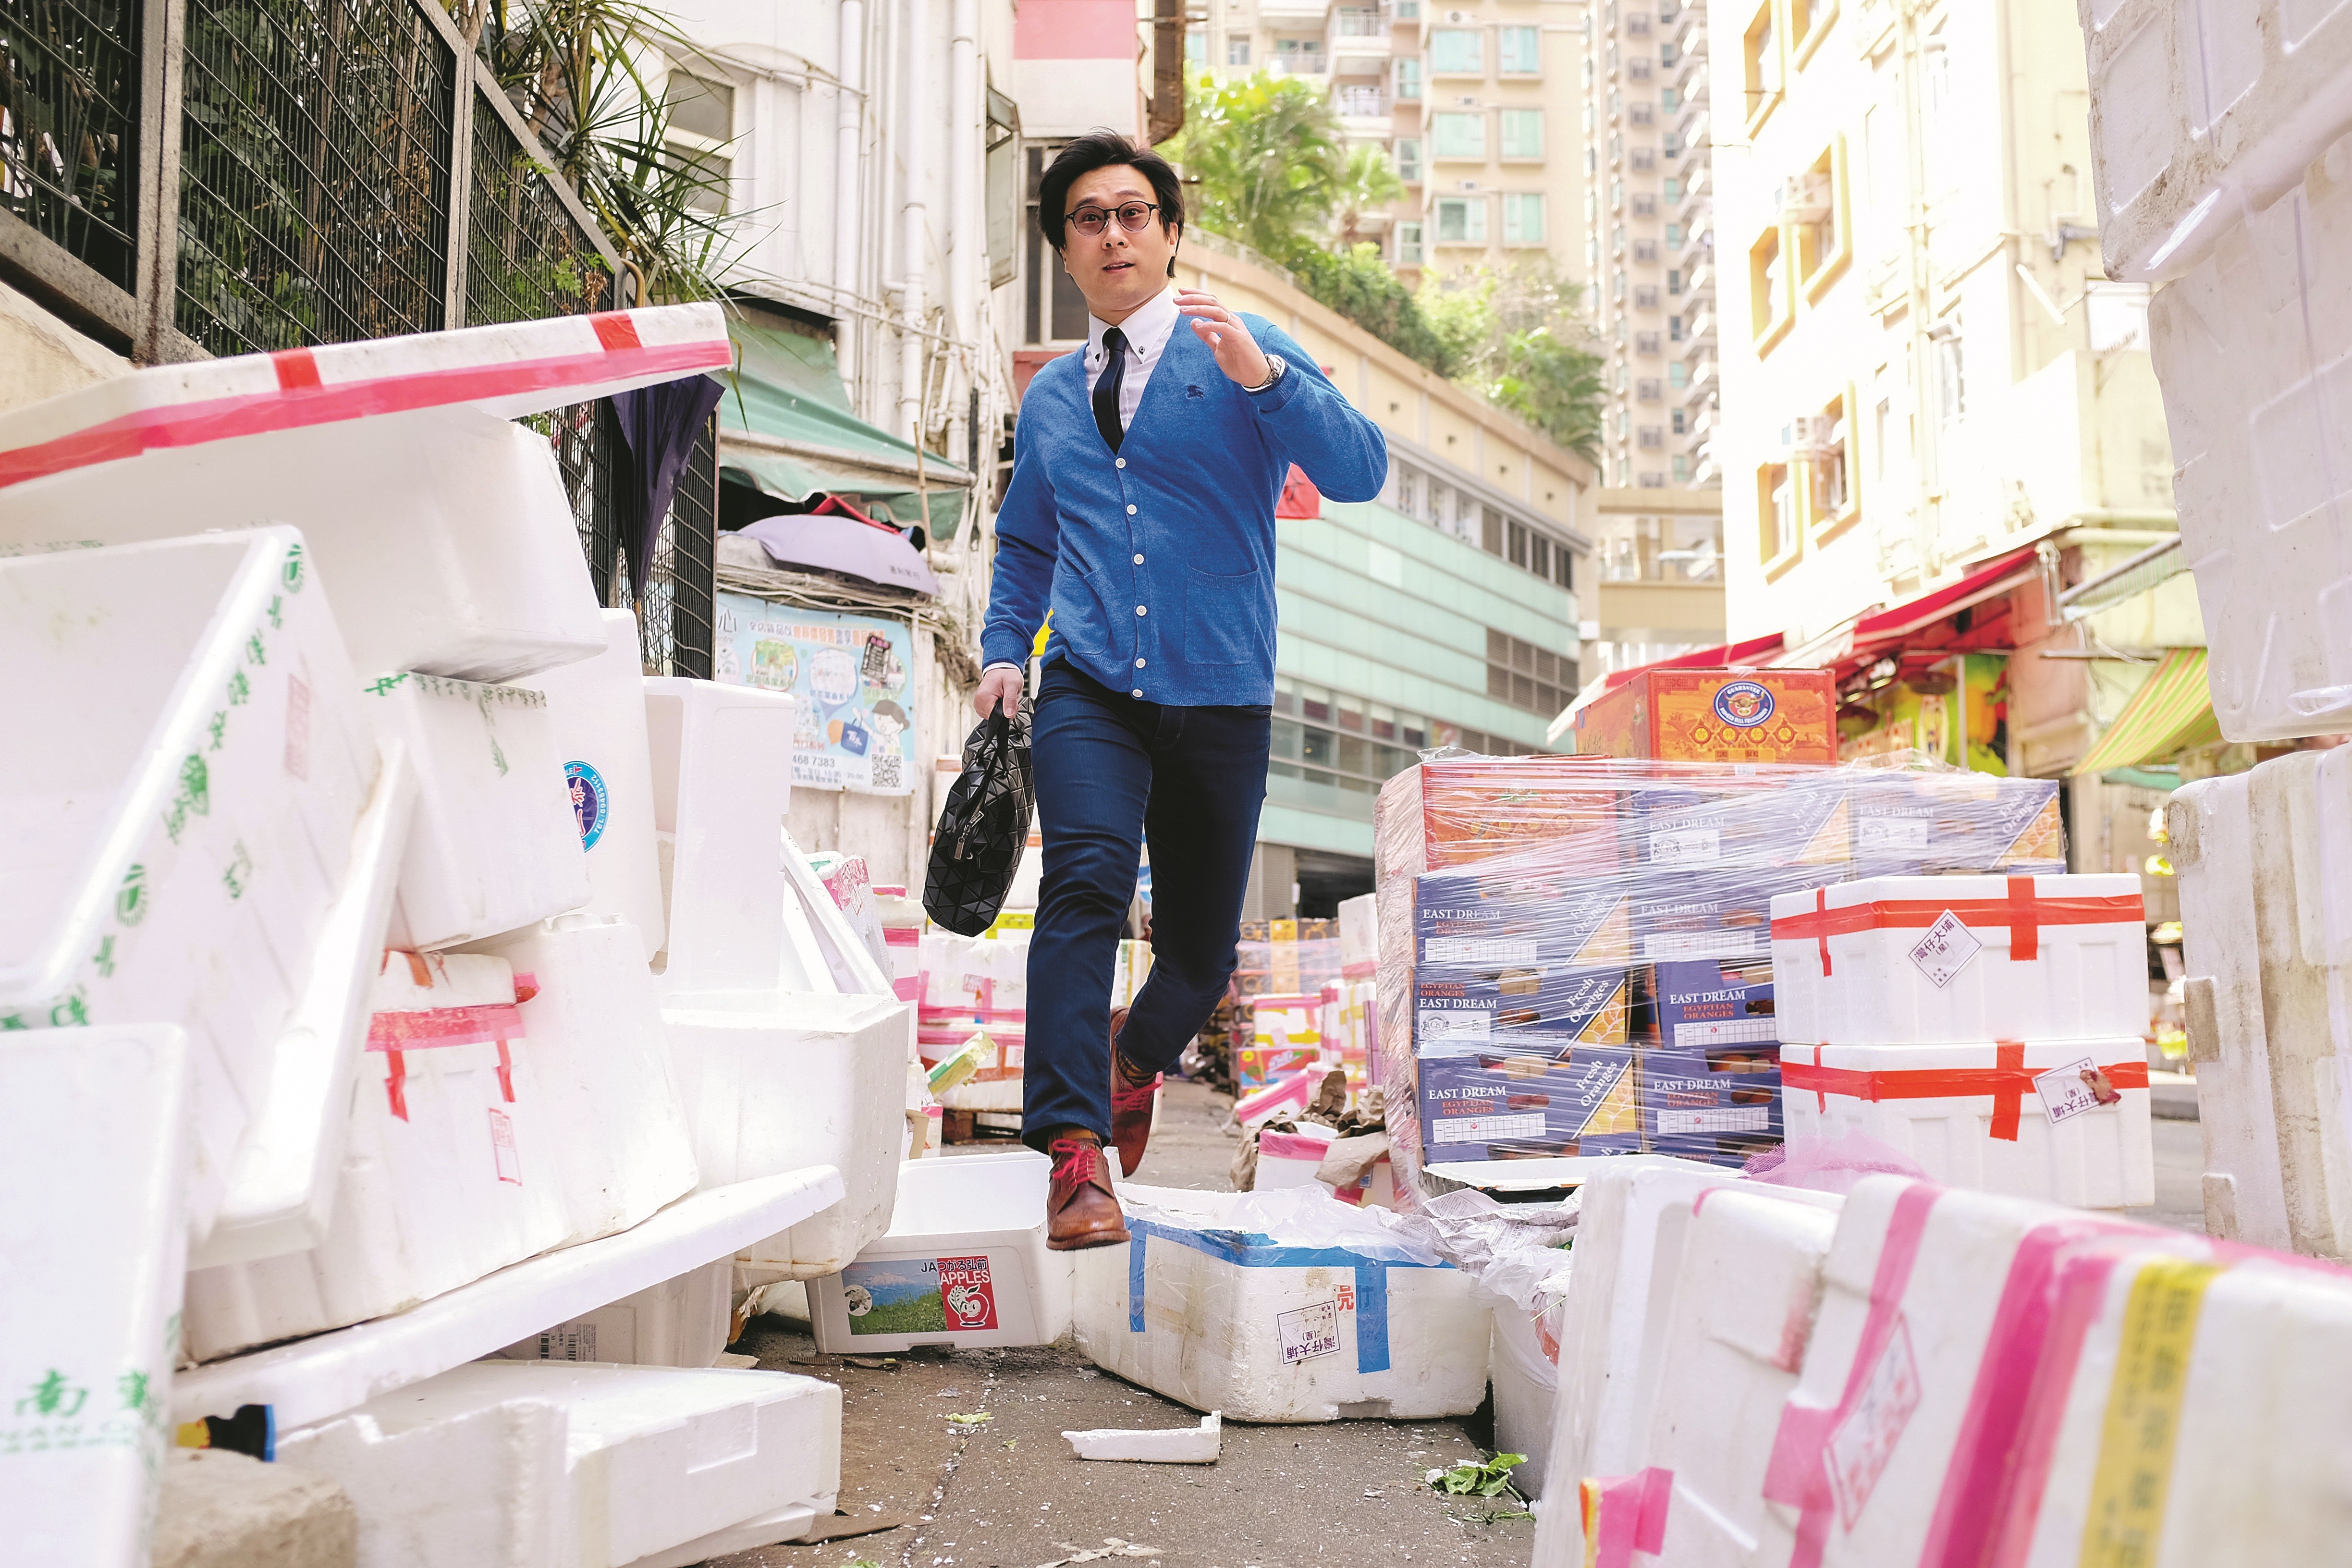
1141 514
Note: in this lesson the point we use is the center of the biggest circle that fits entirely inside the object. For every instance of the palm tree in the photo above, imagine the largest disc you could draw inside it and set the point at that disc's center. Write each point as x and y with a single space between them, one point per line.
1270 158
1367 182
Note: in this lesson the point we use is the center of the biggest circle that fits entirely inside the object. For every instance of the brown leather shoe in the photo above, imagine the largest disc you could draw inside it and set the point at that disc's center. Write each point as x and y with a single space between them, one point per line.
1080 1209
1131 1104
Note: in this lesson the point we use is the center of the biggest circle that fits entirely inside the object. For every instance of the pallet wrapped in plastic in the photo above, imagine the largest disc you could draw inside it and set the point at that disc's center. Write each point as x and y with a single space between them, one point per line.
1575 953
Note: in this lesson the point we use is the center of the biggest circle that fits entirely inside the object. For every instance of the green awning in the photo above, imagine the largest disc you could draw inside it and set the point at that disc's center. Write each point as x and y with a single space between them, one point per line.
2170 713
786 427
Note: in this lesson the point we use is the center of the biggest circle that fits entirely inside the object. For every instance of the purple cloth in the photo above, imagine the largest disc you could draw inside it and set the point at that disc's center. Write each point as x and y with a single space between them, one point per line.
661 423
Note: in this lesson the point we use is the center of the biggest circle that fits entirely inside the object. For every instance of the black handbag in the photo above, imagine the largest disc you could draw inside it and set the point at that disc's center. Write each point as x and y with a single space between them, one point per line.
983 828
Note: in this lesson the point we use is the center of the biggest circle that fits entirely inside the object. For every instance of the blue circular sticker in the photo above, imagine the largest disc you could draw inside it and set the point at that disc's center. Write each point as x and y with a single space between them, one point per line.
589 800
1744 704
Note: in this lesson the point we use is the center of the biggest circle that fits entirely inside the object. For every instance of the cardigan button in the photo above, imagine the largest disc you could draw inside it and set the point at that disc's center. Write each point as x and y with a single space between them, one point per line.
1139 609
1130 509
1119 462
1139 561
1137 692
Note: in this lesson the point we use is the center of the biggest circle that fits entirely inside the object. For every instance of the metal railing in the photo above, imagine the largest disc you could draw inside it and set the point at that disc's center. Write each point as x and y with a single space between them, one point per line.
317 172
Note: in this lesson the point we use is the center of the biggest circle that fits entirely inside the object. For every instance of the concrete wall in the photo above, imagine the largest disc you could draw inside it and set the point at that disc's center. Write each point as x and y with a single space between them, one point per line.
40 356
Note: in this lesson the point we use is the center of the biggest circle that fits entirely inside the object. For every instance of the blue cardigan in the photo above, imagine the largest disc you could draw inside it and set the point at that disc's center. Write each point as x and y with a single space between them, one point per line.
1158 563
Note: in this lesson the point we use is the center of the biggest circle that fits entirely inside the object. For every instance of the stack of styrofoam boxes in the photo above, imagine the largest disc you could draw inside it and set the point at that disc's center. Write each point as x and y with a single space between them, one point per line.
1927 1375
1990 1028
2265 866
975 994
788 1043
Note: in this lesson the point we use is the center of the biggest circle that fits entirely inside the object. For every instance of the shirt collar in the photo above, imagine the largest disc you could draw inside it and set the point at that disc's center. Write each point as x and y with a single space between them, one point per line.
1147 330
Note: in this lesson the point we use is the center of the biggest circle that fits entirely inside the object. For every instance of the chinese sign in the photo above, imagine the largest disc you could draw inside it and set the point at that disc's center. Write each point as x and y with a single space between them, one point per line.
853 676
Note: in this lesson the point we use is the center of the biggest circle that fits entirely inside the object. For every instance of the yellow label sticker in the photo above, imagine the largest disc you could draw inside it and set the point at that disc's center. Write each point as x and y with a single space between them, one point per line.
2134 1478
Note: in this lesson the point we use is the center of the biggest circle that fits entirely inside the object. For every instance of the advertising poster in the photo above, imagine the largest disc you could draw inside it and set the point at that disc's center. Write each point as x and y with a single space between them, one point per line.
854 676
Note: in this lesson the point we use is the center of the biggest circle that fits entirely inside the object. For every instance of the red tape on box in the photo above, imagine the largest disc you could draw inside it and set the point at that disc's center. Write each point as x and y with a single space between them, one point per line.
2008 1081
2022 911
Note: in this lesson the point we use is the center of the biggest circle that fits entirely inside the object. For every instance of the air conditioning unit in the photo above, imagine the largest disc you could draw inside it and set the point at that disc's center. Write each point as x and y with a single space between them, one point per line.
1466 185
1805 198
1807 434
1457 16
1467 100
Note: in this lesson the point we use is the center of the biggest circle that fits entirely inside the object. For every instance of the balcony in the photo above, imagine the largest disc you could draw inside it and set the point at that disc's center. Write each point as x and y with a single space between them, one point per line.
1689 78
1363 35
1698 331
1702 382
1357 22
1360 103
1697 197
1694 127
1697 247
1690 31
1275 13
1700 284
1302 64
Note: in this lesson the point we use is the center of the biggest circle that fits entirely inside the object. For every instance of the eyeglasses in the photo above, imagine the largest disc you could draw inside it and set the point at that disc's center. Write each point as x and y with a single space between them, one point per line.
1133 216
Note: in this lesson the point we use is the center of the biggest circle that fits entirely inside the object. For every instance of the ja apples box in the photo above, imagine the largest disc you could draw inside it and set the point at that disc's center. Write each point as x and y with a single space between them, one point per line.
1714 716
1498 1106
1920 823
1716 914
1706 1005
1523 1011
1719 1106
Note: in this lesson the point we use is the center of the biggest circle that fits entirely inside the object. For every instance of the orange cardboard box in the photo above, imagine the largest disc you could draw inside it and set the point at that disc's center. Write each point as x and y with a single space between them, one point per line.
1714 716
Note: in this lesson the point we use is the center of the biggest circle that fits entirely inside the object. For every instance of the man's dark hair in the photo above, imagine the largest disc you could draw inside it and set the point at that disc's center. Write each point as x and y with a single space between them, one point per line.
1104 150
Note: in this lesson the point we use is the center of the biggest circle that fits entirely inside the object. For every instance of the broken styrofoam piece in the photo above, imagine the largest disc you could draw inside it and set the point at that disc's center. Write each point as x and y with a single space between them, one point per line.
2249 348
2267 933
649 1458
191 757
281 1183
93 1162
1171 1445
314 1378
1931 960
722 778
781 1525
226 1510
679 1322
801 1080
447 527
493 846
542 1125
1228 1319
596 709
968 1234
2200 113
2025 1118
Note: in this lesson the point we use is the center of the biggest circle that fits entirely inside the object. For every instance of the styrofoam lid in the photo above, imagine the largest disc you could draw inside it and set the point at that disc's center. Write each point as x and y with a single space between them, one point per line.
523 367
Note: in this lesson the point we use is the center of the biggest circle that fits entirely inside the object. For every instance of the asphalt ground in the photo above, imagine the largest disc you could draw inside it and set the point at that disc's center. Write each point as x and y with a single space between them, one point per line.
1007 1493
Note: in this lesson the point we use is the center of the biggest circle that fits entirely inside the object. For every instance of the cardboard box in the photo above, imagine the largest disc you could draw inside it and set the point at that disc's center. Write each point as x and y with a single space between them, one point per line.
1469 920
1721 1105
1783 822
1716 914
1498 1107
1529 1011
1473 808
1714 716
1706 1005
1909 825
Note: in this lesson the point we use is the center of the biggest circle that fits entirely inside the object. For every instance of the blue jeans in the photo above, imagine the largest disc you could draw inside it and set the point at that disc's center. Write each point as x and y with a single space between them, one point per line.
1113 772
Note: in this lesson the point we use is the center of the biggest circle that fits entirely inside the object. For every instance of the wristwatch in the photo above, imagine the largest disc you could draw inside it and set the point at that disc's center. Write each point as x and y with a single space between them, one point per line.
1277 367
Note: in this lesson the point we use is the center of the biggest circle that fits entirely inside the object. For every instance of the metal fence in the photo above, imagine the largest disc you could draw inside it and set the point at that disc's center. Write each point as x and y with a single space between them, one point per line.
316 171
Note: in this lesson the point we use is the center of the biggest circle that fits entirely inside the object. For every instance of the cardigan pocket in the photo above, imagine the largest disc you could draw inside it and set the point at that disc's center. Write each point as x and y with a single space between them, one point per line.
1221 618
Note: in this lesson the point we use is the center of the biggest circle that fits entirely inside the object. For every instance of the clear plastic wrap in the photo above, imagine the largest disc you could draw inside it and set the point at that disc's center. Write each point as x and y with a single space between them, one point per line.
1575 953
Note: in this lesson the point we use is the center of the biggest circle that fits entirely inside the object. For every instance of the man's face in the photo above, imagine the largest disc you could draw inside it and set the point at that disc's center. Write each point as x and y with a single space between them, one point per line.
1116 270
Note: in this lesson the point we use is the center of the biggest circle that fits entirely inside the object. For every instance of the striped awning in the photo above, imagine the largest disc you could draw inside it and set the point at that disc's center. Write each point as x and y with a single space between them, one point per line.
2169 715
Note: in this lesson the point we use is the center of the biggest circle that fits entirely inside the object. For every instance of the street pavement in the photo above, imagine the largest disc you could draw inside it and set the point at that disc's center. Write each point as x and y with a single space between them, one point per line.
1006 1493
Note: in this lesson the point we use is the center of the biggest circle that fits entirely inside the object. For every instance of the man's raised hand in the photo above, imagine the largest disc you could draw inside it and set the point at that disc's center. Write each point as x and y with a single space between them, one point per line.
1237 352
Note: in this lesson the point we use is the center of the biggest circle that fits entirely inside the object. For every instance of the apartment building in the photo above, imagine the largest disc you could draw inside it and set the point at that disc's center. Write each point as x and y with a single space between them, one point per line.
1475 102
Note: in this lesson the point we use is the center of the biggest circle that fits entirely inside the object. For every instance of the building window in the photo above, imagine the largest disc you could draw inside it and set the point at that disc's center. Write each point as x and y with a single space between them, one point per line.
1653 481
1675 281
1673 189
1682 469
1646 344
1679 376
1523 217
1521 49
1455 52
1768 288
1455 135
1645 252
1760 53
1408 77
1523 133
1490 531
1648 389
1637 25
1669 99
1056 310
1516 534
1645 297
1643 160
1645 203
1674 141
1640 114
1830 500
1527 677
1951 372
1814 203
1461 220
1653 437
1408 159
1196 47
1776 515
701 122
1237 47
1409 250
1680 422
1674 329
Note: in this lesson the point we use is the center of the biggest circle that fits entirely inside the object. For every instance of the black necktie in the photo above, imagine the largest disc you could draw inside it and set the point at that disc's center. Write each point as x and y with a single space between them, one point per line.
1107 389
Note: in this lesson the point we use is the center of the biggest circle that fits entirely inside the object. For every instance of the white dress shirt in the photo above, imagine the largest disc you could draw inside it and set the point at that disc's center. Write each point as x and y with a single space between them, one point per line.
1148 331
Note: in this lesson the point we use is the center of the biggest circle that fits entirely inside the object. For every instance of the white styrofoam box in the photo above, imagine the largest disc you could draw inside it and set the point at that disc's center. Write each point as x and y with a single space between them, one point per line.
2200 113
2249 350
460 1468
2205 1420
770 1529
1289 1159
805 1080
1220 1319
463 1158
722 774
964 1263
1938 960
1526 1383
1359 932
494 845
446 529
281 1183
2266 865
596 709
1947 1106
679 1322
190 759
1734 1339
94 1125
310 1379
